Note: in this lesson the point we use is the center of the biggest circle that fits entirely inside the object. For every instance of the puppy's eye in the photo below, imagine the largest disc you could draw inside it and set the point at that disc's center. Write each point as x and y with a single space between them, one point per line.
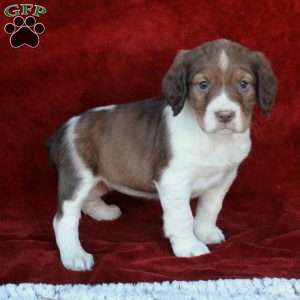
203 85
243 84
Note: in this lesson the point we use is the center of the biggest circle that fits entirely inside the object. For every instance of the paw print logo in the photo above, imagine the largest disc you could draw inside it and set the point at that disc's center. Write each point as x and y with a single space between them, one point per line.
24 31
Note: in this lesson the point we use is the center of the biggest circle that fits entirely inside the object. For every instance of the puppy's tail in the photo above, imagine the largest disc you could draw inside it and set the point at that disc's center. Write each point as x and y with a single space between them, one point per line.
55 144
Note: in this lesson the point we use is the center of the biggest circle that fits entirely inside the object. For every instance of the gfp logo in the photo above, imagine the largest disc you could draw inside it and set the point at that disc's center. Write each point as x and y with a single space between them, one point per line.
24 28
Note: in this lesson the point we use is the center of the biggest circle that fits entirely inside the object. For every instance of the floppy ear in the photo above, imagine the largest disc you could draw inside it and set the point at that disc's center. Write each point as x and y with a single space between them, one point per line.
266 83
174 84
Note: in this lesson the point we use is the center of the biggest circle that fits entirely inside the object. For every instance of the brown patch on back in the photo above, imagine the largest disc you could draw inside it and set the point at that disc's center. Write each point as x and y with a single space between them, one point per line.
127 145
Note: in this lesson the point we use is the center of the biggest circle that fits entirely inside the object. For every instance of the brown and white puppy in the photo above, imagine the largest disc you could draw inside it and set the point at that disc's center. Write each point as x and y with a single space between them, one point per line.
188 143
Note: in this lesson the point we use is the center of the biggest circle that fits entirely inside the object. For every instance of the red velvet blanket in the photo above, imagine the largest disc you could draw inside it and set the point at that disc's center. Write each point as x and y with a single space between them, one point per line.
102 52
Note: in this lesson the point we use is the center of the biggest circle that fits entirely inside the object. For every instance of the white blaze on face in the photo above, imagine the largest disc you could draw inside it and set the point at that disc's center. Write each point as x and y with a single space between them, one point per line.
223 61
222 103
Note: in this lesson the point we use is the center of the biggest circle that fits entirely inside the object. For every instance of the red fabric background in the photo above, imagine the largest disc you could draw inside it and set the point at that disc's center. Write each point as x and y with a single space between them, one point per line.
102 52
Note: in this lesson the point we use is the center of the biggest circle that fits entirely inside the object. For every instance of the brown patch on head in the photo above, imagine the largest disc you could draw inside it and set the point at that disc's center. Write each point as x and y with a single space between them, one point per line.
199 99
245 97
224 66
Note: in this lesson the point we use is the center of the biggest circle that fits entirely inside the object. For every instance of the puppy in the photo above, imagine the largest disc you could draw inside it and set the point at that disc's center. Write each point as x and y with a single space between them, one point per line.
188 143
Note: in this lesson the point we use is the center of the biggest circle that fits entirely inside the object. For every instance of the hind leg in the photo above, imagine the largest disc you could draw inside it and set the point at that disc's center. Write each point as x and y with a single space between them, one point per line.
96 208
66 223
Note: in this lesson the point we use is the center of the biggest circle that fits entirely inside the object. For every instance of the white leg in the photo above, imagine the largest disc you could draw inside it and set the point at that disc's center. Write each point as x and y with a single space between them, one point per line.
96 208
178 221
209 206
100 211
66 228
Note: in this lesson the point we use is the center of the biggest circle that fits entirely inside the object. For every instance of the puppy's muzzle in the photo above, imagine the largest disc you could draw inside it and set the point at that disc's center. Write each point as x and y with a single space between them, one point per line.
225 116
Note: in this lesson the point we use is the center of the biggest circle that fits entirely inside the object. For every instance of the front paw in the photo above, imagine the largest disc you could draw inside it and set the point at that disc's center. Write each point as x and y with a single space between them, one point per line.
188 247
209 234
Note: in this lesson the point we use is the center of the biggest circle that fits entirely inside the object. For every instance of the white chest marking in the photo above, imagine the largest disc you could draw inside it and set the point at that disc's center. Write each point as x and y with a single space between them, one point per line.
200 160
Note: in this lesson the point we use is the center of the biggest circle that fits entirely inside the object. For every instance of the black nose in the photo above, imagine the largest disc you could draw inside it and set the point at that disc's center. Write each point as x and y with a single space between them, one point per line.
225 116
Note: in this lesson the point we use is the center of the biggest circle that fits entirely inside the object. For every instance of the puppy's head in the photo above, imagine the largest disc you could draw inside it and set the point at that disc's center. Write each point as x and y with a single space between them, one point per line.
221 81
